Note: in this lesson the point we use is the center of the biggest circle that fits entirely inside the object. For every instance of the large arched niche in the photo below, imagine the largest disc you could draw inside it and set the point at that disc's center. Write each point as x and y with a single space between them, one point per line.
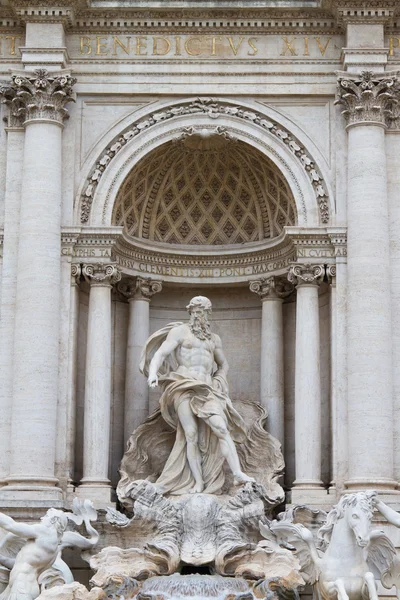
198 191
261 127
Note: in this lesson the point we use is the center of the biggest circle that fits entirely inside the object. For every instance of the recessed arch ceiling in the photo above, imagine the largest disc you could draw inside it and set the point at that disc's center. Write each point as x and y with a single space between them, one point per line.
205 195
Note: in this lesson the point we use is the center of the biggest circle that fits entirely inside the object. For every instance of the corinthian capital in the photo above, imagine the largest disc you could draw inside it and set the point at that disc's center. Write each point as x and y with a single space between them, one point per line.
39 95
139 288
101 275
270 288
306 274
368 97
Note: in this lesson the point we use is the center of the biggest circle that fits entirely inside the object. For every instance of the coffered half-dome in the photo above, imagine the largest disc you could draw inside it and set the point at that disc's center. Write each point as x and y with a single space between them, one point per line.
205 193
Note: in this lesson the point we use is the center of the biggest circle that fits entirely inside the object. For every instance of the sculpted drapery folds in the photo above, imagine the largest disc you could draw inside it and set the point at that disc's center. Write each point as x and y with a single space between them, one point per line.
186 445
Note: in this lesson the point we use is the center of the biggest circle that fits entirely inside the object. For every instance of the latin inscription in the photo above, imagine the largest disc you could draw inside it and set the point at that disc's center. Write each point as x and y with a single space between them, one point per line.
204 46
201 272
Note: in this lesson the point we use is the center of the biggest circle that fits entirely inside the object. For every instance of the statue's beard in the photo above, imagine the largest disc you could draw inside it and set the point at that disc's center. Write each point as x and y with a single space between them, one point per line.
200 327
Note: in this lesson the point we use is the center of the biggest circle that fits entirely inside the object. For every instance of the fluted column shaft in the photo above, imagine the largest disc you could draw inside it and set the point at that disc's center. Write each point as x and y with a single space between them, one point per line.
95 483
139 293
272 291
41 98
370 410
307 377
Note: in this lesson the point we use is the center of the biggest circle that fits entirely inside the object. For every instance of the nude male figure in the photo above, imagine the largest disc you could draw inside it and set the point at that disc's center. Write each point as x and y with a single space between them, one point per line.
196 349
45 540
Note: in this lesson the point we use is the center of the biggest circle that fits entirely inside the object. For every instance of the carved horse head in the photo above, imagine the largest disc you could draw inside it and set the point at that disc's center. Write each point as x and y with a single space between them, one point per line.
354 511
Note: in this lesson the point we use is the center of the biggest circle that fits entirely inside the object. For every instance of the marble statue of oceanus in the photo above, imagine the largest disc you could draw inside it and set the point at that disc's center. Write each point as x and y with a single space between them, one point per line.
197 441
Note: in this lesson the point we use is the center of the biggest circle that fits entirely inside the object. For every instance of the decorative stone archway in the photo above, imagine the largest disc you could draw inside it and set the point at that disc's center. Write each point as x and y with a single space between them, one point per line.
305 178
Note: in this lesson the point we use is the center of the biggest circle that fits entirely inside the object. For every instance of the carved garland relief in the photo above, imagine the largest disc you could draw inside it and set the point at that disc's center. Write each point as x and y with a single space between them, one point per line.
213 109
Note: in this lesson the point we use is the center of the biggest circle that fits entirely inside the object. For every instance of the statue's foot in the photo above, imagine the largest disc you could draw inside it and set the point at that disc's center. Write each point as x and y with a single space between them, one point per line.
198 488
241 477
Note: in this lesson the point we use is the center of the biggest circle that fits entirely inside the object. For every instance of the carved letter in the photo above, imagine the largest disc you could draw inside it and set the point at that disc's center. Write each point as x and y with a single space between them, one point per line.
322 48
236 49
392 46
86 43
156 50
306 52
117 42
101 45
190 50
213 44
141 46
178 46
289 46
254 48
12 45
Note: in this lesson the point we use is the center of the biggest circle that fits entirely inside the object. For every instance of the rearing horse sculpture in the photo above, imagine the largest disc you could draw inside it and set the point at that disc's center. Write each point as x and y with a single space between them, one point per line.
350 556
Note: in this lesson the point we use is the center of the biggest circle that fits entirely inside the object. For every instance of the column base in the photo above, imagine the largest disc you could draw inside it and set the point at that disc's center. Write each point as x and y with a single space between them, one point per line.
39 492
98 493
386 488
309 492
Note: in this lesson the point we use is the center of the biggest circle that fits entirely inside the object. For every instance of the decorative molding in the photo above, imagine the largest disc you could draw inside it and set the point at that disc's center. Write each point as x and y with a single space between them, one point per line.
306 274
271 288
369 97
139 288
197 138
220 265
101 275
213 109
15 118
76 272
331 273
358 11
41 95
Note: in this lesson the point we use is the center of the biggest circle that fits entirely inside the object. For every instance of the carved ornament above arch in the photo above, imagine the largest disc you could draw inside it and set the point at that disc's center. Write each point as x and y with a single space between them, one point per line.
212 109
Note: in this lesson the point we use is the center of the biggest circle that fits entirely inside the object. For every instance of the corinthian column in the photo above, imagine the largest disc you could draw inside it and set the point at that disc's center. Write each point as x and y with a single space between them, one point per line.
307 278
272 290
40 98
367 100
139 293
96 427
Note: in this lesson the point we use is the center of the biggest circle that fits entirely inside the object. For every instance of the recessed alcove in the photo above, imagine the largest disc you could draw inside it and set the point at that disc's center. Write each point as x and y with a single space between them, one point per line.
197 192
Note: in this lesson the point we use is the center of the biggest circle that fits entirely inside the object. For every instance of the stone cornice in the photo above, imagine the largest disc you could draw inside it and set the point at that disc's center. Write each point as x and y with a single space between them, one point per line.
314 16
360 11
138 258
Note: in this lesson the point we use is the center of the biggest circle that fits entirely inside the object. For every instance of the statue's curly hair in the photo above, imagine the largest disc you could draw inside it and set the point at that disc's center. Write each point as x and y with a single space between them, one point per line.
200 301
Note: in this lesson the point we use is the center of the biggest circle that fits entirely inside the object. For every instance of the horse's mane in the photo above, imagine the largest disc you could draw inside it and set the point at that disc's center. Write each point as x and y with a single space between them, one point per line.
361 499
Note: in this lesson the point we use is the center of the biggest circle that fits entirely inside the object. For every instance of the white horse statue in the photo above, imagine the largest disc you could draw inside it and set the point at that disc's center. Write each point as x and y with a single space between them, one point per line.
350 556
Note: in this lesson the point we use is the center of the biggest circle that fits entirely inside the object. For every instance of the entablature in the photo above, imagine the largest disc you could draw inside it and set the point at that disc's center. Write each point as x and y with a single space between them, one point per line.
204 265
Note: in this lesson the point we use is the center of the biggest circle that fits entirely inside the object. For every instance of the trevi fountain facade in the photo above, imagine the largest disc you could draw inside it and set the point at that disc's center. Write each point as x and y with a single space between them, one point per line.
199 299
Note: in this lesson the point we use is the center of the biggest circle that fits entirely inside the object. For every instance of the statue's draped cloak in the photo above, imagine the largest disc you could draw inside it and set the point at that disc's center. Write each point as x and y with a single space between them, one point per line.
205 401
157 448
